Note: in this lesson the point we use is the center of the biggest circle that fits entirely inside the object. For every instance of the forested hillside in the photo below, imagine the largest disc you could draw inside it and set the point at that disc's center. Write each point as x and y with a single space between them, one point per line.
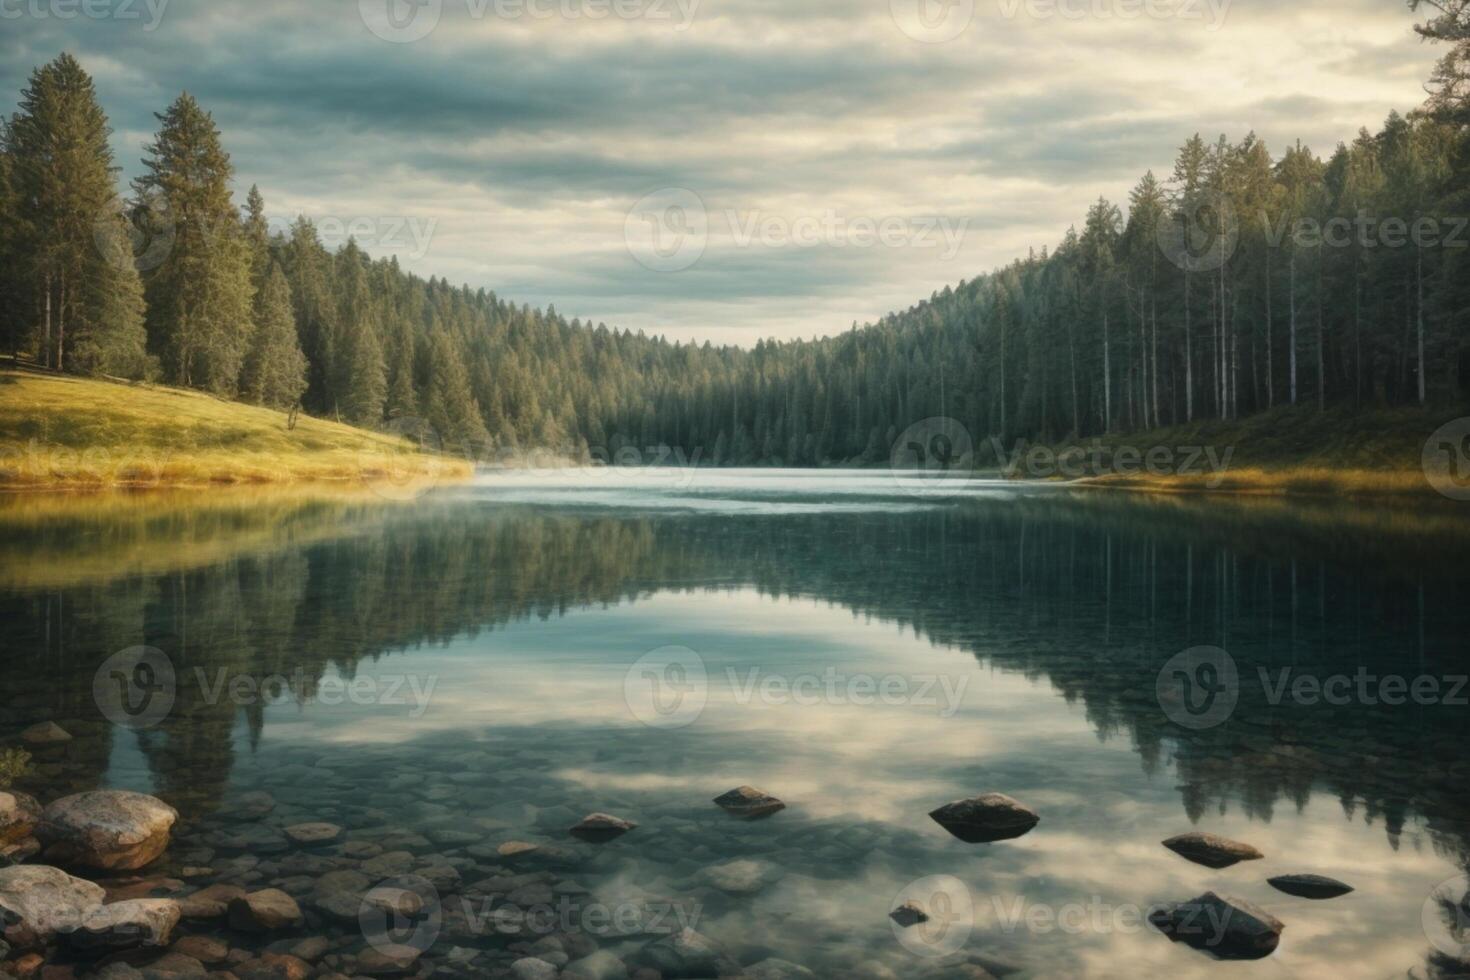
1247 278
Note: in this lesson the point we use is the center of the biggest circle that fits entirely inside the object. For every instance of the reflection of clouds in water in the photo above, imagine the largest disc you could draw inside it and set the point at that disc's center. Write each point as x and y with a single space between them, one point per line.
1102 816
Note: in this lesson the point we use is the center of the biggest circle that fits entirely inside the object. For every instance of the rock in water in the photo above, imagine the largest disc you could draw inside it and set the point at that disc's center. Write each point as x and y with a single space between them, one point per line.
313 834
45 733
1228 928
1211 850
986 818
1309 886
267 909
601 827
748 803
39 902
686 954
108 829
126 924
909 914
19 815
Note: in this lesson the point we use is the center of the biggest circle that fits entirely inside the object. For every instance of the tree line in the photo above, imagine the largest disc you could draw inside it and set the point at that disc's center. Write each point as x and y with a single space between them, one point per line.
1243 281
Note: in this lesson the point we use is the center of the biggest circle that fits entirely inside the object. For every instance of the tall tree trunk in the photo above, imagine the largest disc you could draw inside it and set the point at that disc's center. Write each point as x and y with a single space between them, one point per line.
1419 276
1188 357
61 325
1107 379
1291 295
46 338
1270 385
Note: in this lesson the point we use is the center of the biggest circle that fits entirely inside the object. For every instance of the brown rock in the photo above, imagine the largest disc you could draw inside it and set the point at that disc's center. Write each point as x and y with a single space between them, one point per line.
210 903
986 818
263 911
205 949
45 733
19 814
748 803
601 827
387 959
109 829
1211 850
313 834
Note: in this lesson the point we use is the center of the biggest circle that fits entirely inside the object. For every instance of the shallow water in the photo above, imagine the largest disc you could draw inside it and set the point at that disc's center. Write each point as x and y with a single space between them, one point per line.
493 661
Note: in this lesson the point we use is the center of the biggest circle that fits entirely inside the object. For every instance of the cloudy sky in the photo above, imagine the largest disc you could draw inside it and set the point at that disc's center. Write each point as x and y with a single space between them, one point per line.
720 169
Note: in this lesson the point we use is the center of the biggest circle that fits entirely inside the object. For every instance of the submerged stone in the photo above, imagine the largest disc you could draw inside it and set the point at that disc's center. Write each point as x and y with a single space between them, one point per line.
986 818
748 803
1225 927
1211 850
601 827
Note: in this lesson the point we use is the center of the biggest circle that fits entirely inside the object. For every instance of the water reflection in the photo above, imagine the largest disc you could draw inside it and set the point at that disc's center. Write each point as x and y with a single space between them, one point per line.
528 616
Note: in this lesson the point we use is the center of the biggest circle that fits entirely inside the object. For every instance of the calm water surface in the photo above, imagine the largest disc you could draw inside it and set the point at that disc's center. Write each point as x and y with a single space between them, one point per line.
528 649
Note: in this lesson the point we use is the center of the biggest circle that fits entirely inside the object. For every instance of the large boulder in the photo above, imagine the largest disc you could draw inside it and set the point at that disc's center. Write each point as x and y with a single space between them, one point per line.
1211 850
1228 928
109 829
127 924
39 902
986 818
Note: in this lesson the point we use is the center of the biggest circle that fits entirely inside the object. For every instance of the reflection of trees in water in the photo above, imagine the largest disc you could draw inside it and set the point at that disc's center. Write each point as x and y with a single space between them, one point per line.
1092 594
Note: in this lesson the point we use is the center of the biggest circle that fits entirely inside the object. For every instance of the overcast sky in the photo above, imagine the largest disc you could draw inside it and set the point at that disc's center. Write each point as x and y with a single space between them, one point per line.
721 169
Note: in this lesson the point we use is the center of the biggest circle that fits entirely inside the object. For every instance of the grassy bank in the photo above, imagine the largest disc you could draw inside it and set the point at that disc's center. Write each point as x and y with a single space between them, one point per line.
1288 450
66 433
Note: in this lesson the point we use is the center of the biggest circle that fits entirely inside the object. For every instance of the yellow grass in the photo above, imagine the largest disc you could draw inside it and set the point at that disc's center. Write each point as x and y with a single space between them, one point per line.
67 433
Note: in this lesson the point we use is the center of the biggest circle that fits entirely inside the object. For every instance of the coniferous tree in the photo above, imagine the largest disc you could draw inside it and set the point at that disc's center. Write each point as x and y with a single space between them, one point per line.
450 407
68 245
275 369
199 296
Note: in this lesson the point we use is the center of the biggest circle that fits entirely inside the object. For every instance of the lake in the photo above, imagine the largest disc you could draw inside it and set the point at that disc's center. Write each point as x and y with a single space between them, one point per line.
488 663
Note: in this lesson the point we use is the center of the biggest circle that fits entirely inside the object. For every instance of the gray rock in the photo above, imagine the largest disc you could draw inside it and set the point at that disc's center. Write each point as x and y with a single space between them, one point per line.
42 902
909 914
601 827
748 802
986 818
108 829
1309 886
774 969
1211 850
685 955
531 968
126 924
741 876
1228 928
313 834
601 965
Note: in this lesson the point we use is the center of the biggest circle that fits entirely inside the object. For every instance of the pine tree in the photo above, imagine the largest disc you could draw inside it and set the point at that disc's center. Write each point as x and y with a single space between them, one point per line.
451 408
275 369
199 296
67 246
